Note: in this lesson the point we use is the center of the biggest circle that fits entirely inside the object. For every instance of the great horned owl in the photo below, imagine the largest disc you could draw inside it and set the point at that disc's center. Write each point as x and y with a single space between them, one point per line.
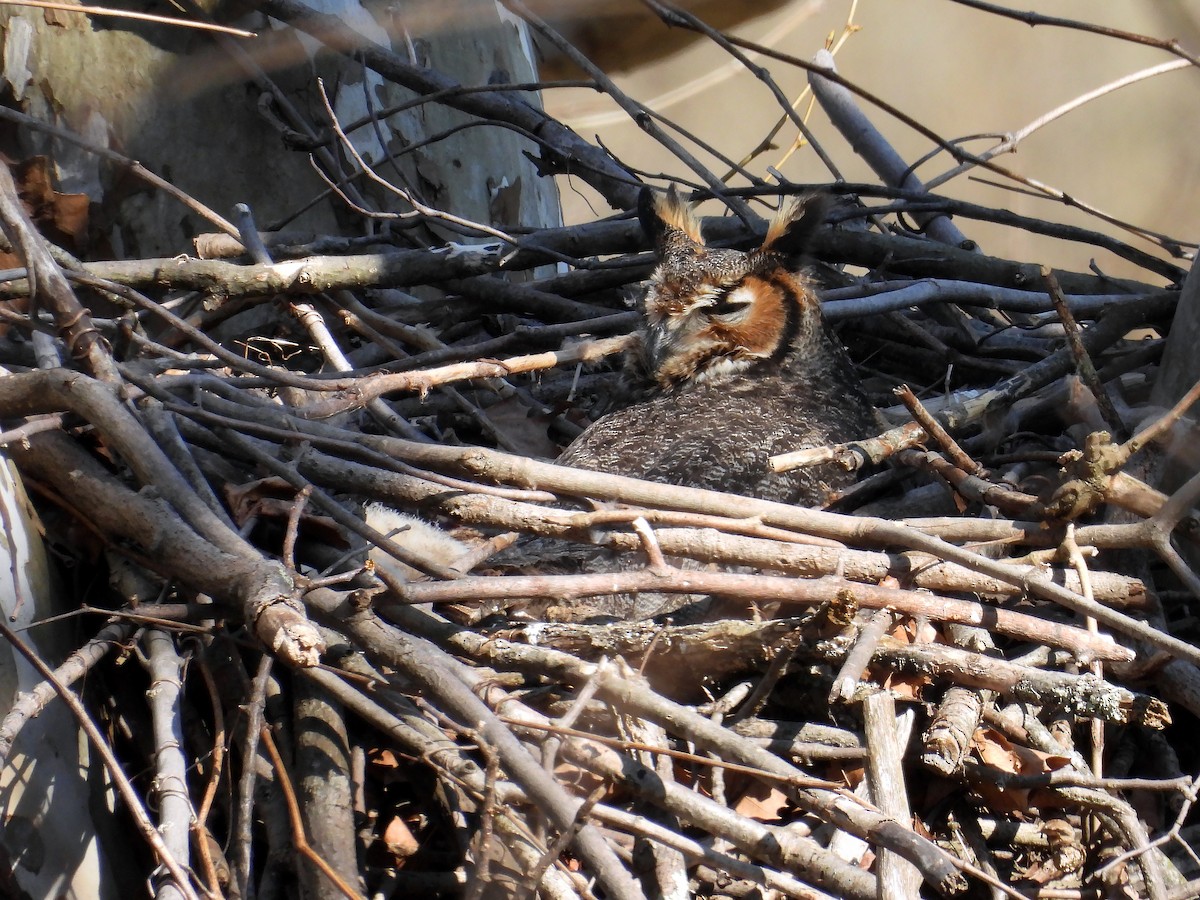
740 366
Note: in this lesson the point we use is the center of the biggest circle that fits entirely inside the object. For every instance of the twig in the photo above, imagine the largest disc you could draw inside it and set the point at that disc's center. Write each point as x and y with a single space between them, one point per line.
933 428
846 682
1033 18
165 667
885 776
1083 361
299 841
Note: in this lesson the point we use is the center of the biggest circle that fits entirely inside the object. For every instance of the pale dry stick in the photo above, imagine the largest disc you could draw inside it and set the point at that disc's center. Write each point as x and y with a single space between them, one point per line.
667 865
653 551
1163 424
314 324
768 589
373 387
855 455
846 681
1075 555
1013 139
165 668
751 528
234 361
1083 695
948 737
359 319
309 275
898 878
126 14
126 790
1069 777
1008 500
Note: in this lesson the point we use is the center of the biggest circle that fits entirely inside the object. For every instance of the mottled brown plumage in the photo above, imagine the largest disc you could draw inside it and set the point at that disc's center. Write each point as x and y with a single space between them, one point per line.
739 364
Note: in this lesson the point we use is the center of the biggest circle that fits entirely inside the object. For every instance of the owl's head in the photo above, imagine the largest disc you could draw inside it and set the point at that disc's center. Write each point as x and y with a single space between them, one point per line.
712 313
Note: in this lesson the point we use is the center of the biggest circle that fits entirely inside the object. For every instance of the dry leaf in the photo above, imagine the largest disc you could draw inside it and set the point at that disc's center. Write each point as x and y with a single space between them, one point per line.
762 802
996 751
62 218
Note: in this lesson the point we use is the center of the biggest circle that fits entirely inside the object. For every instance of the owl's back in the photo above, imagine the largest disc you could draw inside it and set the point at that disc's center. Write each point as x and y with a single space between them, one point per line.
720 435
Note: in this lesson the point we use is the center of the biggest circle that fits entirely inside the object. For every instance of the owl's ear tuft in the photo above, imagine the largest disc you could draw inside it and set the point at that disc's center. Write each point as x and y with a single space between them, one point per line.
793 227
666 218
